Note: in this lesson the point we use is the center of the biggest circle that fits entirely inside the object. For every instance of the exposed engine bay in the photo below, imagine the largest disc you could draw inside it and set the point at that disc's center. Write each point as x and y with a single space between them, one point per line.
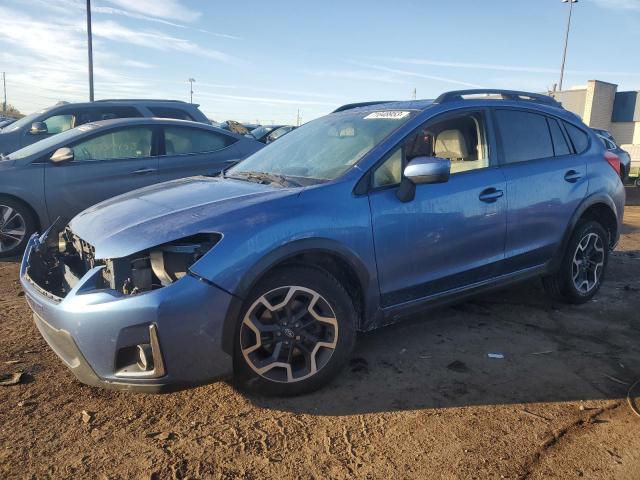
57 264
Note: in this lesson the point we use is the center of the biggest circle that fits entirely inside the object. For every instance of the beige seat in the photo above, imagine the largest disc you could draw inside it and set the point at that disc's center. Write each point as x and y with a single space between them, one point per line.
451 144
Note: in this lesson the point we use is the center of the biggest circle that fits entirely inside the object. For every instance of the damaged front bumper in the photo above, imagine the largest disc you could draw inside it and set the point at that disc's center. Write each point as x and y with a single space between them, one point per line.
166 337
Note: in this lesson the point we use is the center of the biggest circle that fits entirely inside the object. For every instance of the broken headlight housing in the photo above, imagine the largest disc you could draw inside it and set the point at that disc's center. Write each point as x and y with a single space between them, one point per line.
157 267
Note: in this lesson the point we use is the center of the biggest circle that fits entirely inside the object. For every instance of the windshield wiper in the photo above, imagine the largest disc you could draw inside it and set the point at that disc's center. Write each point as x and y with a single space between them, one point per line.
263 177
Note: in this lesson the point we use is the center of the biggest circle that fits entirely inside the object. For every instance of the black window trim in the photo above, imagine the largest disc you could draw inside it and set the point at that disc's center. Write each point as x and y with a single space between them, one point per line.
162 145
575 150
560 121
564 135
490 139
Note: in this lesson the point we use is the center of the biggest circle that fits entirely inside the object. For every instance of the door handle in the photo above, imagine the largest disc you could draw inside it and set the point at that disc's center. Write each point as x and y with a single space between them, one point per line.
572 176
490 195
143 171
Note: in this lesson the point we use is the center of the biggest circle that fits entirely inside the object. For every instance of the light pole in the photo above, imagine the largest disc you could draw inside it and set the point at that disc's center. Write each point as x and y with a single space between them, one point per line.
90 48
566 40
191 80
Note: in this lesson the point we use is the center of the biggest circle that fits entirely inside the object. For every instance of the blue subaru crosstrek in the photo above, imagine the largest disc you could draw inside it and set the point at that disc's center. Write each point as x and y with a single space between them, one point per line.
346 224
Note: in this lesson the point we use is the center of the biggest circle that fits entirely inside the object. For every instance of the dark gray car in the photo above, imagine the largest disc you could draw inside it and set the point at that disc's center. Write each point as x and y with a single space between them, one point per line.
623 155
66 173
64 116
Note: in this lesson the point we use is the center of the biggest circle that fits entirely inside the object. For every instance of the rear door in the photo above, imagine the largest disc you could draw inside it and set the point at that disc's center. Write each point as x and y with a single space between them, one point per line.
189 150
546 181
105 165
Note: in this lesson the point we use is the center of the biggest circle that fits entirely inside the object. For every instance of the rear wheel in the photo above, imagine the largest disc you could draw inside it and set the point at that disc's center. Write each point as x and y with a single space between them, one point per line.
296 332
17 224
583 266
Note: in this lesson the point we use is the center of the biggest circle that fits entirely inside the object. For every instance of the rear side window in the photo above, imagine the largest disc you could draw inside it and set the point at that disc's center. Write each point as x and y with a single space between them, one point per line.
525 136
132 142
579 138
168 112
560 146
181 141
108 113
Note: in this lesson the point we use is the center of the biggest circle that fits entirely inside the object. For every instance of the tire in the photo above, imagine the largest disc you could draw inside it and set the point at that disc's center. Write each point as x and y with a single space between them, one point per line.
17 224
314 323
577 282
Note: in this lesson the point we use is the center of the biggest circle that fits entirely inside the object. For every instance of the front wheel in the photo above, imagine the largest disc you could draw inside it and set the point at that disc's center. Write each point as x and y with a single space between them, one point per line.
296 332
583 266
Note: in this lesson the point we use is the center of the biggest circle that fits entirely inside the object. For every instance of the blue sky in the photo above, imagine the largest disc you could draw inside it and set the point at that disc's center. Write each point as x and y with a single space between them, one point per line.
265 60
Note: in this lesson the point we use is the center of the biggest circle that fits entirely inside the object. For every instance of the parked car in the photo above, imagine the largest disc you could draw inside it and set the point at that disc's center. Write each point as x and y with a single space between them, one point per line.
64 174
346 224
237 127
64 116
623 155
262 132
279 132
604 133
4 121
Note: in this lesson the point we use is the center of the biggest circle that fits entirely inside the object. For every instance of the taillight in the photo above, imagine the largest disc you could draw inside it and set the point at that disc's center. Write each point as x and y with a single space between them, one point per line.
613 160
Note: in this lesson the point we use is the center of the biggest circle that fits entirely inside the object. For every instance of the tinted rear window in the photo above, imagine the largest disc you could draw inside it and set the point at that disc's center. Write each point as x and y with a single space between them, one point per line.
525 136
168 112
559 142
579 138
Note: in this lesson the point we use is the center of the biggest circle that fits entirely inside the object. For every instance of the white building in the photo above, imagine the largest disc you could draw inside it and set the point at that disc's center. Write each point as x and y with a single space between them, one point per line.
600 105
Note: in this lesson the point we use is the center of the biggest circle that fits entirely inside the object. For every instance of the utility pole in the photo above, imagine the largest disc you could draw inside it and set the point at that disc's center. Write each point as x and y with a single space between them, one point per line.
4 87
90 48
298 119
566 41
191 80
415 92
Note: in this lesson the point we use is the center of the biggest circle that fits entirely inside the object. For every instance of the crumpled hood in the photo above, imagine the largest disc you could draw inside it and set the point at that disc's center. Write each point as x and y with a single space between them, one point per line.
164 212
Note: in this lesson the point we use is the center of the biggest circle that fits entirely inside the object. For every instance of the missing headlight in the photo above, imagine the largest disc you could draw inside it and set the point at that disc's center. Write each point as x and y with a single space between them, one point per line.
159 266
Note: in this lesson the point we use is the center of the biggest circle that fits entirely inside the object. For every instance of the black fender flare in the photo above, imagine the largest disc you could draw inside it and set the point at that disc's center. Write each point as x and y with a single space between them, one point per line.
279 256
587 202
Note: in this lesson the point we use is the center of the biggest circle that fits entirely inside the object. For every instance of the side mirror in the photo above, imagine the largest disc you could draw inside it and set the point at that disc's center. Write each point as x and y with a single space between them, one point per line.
62 155
38 128
422 170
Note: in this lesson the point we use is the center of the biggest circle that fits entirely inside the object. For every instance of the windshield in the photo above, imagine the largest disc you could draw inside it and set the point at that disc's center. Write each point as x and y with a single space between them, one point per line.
44 144
260 131
23 121
326 148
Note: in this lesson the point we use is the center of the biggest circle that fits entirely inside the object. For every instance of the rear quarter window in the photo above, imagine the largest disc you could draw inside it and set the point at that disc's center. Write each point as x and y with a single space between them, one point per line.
578 137
168 112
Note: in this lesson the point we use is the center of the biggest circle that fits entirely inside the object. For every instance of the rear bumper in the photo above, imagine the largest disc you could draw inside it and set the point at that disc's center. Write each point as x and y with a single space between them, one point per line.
88 328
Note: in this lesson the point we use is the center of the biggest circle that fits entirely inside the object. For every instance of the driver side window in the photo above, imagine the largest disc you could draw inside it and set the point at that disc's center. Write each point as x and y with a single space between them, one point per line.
460 139
129 143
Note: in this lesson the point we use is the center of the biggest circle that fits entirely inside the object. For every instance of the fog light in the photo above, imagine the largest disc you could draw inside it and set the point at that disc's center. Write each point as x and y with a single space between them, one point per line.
145 357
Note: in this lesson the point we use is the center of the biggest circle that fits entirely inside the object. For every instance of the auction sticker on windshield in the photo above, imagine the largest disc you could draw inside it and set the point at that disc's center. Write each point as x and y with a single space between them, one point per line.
389 115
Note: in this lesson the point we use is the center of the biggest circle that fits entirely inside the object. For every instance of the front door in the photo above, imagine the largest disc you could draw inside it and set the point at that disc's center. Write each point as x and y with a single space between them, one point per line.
450 235
104 166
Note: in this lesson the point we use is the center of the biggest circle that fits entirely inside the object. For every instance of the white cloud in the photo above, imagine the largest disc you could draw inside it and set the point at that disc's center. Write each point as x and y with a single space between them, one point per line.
620 4
157 40
407 73
166 9
499 67
359 75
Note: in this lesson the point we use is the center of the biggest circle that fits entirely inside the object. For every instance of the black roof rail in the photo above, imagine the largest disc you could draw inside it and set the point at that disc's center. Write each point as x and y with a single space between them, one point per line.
349 106
138 100
457 95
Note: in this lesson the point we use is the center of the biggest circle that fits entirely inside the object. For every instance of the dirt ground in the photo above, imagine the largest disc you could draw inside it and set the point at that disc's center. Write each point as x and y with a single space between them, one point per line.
418 400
